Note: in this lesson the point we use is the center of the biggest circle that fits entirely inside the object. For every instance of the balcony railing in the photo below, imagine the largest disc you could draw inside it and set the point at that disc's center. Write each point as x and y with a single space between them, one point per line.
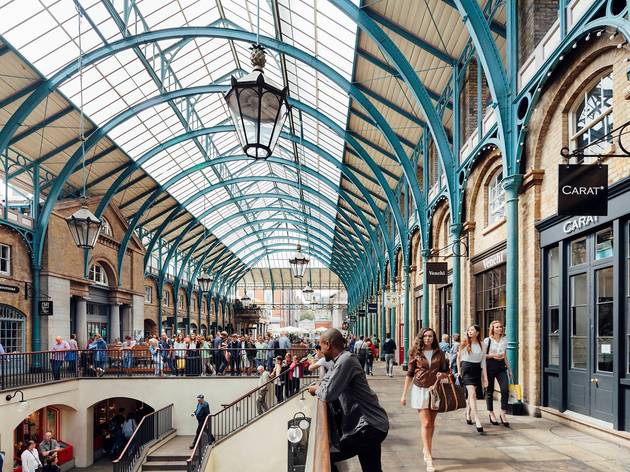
19 370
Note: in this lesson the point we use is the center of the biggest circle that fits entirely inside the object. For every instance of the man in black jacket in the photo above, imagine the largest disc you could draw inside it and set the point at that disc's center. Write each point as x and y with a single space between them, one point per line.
389 350
201 412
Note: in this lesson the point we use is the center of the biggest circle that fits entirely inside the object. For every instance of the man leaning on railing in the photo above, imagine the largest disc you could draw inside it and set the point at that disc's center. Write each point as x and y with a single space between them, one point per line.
364 423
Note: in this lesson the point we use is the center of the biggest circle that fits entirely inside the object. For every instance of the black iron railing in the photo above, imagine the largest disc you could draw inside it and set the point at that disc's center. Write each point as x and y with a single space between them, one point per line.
34 368
244 410
152 427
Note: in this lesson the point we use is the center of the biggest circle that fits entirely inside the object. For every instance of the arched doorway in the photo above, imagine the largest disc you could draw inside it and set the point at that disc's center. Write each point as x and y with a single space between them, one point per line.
150 328
109 415
12 329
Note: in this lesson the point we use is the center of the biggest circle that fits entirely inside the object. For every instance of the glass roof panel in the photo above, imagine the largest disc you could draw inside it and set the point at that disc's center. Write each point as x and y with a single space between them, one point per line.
46 32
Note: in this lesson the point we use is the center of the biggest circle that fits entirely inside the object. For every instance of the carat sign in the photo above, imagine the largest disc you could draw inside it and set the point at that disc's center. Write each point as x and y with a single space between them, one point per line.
582 190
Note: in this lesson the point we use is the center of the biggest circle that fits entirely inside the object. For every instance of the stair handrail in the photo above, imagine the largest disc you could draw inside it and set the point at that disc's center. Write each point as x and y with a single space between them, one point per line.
214 422
152 427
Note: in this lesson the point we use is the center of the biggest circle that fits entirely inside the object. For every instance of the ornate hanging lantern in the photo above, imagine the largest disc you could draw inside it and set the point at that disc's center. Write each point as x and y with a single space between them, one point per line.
258 108
308 292
298 263
84 227
246 301
204 281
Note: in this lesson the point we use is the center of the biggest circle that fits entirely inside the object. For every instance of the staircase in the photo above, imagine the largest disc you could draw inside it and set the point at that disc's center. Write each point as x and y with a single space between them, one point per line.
170 456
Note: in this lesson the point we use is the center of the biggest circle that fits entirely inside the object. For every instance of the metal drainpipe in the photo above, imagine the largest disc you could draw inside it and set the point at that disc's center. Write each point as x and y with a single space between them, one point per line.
405 315
456 231
511 185
426 322
35 327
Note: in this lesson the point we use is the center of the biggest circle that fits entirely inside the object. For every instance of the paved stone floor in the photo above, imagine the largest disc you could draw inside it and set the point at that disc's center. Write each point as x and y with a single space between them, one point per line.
531 444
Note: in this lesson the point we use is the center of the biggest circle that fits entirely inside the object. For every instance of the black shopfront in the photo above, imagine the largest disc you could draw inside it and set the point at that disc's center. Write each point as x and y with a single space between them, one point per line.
585 304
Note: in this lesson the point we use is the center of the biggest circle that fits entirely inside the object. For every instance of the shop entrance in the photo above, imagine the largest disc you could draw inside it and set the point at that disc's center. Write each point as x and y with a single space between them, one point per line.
446 311
591 340
109 416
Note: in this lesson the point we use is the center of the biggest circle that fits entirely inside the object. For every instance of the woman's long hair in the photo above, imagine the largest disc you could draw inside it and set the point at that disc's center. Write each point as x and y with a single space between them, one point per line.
418 343
491 328
468 342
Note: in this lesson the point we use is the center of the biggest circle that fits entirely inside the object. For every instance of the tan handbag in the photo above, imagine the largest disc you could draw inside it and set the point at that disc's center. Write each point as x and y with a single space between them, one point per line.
445 395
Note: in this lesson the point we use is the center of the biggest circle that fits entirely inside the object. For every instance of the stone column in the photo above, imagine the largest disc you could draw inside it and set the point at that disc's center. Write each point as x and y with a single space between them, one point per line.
81 322
114 322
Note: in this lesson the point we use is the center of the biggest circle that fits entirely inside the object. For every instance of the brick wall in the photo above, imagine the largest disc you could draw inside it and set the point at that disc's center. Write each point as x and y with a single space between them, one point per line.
535 19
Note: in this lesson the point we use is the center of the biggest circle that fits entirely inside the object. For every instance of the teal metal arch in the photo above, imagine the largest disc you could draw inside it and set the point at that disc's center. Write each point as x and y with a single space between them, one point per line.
209 189
50 84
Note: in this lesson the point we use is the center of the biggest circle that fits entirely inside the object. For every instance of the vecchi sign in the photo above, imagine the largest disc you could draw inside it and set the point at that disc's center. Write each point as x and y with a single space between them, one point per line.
582 190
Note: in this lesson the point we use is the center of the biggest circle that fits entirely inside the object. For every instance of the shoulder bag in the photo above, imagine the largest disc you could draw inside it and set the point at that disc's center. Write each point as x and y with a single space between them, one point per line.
445 395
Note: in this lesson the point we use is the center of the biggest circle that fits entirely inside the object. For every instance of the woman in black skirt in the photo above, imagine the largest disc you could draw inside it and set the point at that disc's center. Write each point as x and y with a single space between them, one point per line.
471 368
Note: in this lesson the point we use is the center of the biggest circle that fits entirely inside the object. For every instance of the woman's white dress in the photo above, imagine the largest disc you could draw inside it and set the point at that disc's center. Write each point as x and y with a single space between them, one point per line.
419 399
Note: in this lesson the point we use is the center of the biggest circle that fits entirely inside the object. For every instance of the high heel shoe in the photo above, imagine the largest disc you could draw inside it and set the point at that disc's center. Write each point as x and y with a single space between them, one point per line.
479 429
430 467
468 420
495 422
504 423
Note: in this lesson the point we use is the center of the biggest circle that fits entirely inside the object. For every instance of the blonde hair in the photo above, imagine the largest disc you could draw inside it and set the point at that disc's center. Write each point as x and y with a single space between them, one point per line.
491 328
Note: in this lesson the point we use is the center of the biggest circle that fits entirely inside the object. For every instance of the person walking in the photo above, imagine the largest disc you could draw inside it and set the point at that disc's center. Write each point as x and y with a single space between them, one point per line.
369 360
99 347
166 350
454 352
261 352
280 378
129 426
364 423
30 458
389 351
156 357
427 364
201 412
445 344
471 368
58 356
495 346
234 350
263 391
295 373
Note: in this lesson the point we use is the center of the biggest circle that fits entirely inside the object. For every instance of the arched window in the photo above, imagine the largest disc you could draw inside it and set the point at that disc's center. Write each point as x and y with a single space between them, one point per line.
496 199
106 228
12 329
98 275
593 117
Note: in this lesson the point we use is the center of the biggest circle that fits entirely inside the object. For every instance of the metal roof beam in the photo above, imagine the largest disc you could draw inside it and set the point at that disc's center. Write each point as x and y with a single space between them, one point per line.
19 94
137 198
409 36
42 124
495 26
364 117
391 105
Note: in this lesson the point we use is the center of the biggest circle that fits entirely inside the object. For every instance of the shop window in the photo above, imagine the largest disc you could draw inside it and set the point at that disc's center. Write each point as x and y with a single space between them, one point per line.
553 306
496 199
579 321
593 118
106 228
148 294
98 275
490 297
181 301
167 299
604 244
12 329
604 319
578 252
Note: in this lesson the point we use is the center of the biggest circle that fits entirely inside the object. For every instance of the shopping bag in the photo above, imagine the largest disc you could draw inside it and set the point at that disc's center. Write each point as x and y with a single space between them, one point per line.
515 393
445 395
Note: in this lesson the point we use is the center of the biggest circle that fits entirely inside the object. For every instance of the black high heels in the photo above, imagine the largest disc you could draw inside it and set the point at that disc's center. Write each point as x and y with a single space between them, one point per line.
479 429
504 423
468 420
495 422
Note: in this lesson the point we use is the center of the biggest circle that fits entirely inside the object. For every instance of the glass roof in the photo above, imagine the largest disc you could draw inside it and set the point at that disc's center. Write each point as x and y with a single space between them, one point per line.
46 32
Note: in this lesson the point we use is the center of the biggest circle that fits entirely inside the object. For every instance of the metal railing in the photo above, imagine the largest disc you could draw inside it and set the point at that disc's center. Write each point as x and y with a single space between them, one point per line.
152 427
19 370
243 411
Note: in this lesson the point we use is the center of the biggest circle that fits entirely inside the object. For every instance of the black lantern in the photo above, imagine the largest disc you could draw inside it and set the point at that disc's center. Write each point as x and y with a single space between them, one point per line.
307 292
298 263
246 301
258 108
204 281
84 227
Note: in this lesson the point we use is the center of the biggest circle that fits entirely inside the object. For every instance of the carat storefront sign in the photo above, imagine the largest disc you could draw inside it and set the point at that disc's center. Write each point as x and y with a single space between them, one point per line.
582 190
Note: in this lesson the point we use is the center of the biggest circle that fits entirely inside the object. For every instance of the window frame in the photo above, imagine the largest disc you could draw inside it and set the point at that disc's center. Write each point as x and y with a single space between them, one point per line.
495 193
103 280
8 260
106 228
148 290
574 134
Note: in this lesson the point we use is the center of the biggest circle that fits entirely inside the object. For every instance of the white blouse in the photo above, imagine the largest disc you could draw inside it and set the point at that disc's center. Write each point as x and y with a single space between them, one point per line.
477 355
497 348
30 460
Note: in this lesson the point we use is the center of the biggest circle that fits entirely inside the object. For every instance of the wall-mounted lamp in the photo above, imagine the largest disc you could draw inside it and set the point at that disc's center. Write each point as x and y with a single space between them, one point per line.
22 405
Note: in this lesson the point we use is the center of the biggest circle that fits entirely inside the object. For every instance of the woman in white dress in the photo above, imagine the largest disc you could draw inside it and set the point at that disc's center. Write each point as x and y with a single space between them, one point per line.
427 363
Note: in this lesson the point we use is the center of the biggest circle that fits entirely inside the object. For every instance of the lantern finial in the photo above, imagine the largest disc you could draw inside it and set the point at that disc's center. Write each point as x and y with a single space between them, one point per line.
258 57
